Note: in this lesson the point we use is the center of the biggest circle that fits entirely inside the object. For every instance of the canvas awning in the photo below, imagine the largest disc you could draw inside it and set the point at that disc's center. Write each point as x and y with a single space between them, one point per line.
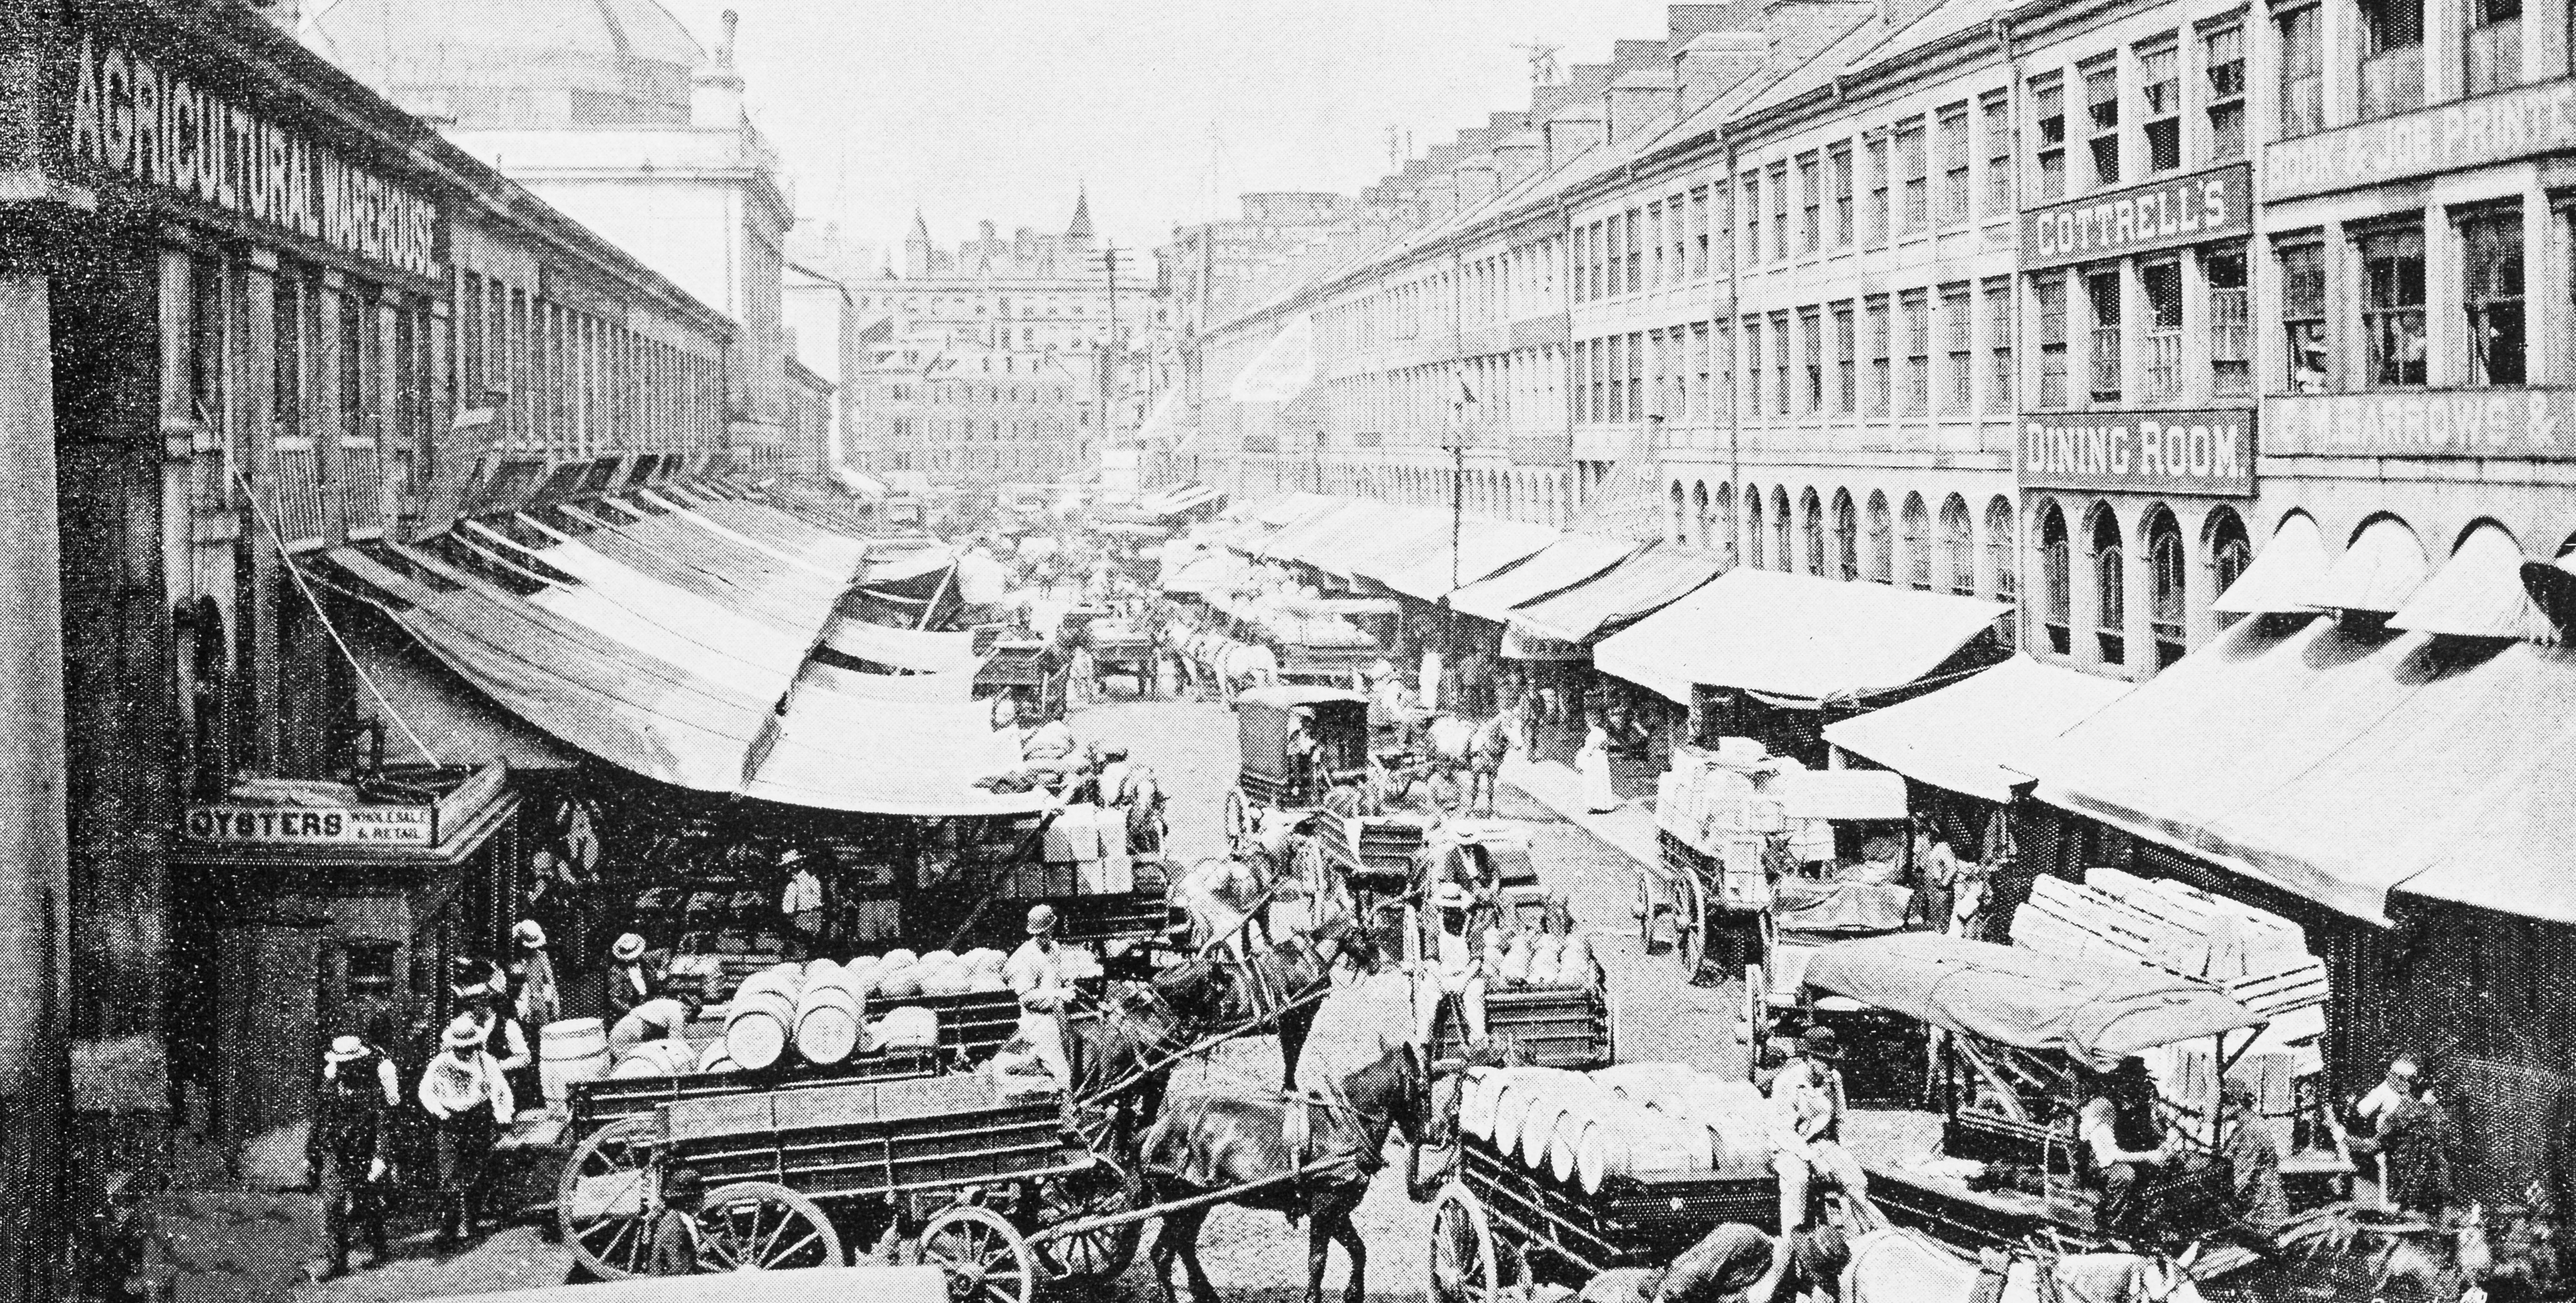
1406 536
1647 582
2098 1012
1570 560
2282 573
2381 568
2339 762
911 650
1292 538
1838 794
1179 499
1794 639
1957 737
1485 548
864 485
2478 593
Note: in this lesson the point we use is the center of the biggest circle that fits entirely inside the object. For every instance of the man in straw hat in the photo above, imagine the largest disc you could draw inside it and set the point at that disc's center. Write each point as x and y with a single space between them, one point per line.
1036 973
532 975
468 1100
347 1148
1456 967
633 977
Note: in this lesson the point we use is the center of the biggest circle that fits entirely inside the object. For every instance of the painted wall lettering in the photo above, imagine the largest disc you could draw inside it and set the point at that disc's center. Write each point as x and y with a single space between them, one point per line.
2206 453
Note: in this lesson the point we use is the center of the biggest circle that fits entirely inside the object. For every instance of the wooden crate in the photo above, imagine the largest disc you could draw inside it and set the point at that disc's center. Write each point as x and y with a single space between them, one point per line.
868 1138
1556 1027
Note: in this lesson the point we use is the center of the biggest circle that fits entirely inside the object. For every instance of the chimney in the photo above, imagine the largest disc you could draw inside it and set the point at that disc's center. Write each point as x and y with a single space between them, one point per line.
1573 130
1683 22
715 91
1479 180
1438 194
1629 56
1715 62
1635 100
1520 155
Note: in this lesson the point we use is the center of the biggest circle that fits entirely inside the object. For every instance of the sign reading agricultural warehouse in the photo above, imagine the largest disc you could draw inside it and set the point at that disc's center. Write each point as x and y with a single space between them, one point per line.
2468 133
136 120
2206 454
2186 210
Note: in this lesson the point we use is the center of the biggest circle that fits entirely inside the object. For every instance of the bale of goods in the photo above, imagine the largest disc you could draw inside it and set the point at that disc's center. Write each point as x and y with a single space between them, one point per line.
829 1022
574 1049
663 1058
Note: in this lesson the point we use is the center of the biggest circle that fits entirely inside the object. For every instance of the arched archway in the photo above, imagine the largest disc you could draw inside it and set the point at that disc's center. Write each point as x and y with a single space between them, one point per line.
1699 513
2168 586
2227 548
2002 555
2056 579
1721 522
2110 568
1882 540
1753 540
1677 521
1916 521
1958 568
1846 537
1811 524
1782 550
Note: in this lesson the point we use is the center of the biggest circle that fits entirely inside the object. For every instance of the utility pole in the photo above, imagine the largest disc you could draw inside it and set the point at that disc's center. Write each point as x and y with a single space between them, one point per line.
1107 372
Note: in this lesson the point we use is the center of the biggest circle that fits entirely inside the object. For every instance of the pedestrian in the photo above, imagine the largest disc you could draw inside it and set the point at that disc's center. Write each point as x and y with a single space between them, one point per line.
349 1150
1936 873
1592 764
633 977
2411 1136
468 1101
801 903
2253 1162
503 1038
1036 973
539 998
2119 1144
661 1018
675 1231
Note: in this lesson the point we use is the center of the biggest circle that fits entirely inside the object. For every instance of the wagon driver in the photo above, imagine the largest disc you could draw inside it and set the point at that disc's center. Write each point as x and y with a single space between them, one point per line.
1036 974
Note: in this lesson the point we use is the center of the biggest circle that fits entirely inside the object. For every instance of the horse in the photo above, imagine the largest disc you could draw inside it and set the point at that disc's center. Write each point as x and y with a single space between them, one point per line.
1295 1156
1228 665
2360 1256
1908 1266
1283 983
1474 748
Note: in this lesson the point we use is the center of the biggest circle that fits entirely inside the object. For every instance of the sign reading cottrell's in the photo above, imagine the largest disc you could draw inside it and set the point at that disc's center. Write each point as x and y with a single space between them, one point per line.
2186 210
2491 128
2208 453
136 120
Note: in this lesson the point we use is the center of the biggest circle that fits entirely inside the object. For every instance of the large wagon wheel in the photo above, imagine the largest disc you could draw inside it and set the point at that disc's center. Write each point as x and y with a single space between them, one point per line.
1088 1257
1466 1267
987 1261
606 1198
1235 820
1690 924
763 1226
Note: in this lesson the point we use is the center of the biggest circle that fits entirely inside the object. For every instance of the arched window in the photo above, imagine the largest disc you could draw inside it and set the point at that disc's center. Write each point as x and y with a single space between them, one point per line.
2165 577
1882 541
1699 514
2056 580
1846 537
1678 528
2000 549
1959 546
1753 527
1721 524
2230 551
1917 522
1811 521
1783 555
2110 586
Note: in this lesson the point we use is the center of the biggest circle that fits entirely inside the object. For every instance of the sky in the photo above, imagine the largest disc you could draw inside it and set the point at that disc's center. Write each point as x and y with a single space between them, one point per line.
969 109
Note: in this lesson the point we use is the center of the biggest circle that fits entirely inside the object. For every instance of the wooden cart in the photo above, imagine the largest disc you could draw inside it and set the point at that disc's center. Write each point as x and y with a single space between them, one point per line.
1121 648
1554 1026
1273 779
1499 1226
1030 671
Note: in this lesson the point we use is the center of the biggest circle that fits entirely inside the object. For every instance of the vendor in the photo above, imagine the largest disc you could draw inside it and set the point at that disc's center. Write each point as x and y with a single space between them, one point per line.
801 902
1808 1102
2259 1203
1036 972
662 1018
1736 1263
632 976
2120 1143
1456 968
1303 754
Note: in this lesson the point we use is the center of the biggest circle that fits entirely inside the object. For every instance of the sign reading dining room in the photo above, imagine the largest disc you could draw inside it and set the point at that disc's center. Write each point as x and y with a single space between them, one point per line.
2206 453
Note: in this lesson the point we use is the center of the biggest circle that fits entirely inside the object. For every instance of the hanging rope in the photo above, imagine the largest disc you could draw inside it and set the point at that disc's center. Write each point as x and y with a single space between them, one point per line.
304 586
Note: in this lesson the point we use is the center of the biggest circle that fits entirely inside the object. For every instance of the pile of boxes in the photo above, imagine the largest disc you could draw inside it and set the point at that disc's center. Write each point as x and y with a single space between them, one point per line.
1082 853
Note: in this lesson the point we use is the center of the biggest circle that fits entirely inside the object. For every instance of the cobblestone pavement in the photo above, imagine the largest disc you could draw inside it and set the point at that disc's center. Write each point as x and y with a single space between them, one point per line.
237 1246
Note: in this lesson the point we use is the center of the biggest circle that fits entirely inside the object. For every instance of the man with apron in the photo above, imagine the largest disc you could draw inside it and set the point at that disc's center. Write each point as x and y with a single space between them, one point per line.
1455 968
1036 974
468 1100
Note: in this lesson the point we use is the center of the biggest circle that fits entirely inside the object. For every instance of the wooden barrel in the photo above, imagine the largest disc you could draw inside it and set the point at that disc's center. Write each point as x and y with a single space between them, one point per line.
1634 1141
1476 1102
758 1027
828 1022
786 979
715 1058
663 1058
575 1049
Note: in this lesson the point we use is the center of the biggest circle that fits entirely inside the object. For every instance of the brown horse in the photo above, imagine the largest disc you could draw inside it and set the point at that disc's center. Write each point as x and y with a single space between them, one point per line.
1281 986
1122 1060
2346 1254
1293 1156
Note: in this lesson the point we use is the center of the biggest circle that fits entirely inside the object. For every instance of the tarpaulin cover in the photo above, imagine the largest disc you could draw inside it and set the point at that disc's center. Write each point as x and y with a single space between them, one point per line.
2097 1012
1347 519
1803 905
743 579
1794 637
1957 737
825 557
889 687
1485 548
1408 537
2339 763
1643 584
904 649
1838 793
1568 561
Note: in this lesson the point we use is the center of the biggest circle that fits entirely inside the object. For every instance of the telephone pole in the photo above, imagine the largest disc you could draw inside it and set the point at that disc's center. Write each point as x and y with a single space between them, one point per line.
1106 374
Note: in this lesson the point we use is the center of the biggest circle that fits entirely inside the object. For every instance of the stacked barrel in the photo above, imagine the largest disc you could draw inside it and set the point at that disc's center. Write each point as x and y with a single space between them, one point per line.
1634 1120
1534 958
813 1013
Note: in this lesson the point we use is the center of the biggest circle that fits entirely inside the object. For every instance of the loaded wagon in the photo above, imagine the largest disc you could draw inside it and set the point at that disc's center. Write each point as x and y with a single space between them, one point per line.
1277 773
1544 990
1121 647
1029 671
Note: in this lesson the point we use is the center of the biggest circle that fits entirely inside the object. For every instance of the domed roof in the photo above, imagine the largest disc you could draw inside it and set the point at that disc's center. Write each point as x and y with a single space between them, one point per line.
516 63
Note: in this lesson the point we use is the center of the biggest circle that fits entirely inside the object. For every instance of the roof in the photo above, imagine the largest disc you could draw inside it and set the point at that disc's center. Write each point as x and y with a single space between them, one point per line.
1646 582
2098 1012
2282 574
1958 737
1484 547
2340 762
1795 638
1568 561
517 63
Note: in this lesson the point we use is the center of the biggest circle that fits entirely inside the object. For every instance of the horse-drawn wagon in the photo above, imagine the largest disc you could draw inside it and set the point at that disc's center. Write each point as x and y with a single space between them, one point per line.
1121 647
1479 928
1297 745
1029 671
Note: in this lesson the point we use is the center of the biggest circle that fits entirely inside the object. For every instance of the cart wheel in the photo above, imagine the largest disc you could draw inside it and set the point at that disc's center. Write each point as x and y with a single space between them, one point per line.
607 1196
986 1260
1088 1257
1465 1268
1690 926
1236 819
1644 910
1756 1018
763 1226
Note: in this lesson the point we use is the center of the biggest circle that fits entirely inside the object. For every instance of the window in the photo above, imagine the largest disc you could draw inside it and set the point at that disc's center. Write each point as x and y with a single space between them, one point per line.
2303 315
1700 355
1811 523
1699 231
2392 306
1655 224
1918 543
2494 53
1636 253
2165 599
2102 299
1876 217
1722 529
1918 352
2102 121
1995 111
2392 56
2161 283
2048 111
2049 293
1999 346
2491 245
1811 203
1910 154
1882 542
1881 365
1780 363
1779 183
1846 538
1839 161
2110 588
1846 360
2303 70
1616 247
1954 163
1753 527
1636 377
2222 61
2229 550
1753 366
1958 326
1811 327
2160 105
2056 573
1752 218
2231 323
1958 547
1782 553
